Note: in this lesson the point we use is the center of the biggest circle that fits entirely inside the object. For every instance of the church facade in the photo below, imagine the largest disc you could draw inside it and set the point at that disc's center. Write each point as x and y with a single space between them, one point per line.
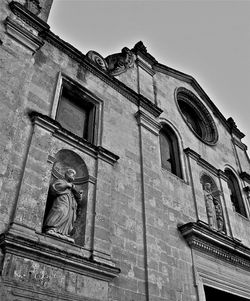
120 178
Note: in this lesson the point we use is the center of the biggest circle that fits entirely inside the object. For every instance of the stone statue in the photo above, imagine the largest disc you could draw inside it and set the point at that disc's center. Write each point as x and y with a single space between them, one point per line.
62 215
214 209
219 215
114 64
120 62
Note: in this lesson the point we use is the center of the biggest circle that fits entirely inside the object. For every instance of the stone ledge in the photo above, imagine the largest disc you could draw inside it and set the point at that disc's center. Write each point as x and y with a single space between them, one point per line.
22 35
147 122
58 253
117 85
59 132
245 176
200 237
28 17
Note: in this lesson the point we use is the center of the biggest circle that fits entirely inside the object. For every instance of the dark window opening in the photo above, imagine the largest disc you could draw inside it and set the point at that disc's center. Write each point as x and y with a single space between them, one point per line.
170 159
196 116
213 294
75 113
235 194
191 117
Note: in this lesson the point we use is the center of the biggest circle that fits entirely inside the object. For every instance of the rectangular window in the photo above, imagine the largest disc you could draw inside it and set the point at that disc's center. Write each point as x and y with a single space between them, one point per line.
77 110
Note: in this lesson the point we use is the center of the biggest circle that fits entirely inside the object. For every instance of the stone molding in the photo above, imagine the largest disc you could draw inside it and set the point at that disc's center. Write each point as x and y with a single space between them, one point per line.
207 124
203 163
245 177
28 17
145 67
131 95
27 293
22 35
222 282
147 122
192 81
57 131
239 144
54 251
234 129
92 67
140 50
44 32
200 237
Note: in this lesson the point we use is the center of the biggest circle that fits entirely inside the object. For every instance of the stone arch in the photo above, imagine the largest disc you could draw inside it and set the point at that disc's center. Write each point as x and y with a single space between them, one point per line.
235 191
66 159
164 121
169 140
205 178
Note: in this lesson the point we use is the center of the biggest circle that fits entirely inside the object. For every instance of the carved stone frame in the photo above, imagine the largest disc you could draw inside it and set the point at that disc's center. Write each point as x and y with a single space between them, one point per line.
96 119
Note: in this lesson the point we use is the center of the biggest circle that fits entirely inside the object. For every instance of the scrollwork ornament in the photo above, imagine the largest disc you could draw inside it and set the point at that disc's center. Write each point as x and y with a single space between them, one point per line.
97 59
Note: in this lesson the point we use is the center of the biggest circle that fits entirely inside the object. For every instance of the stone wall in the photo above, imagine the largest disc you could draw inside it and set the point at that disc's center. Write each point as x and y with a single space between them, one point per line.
130 247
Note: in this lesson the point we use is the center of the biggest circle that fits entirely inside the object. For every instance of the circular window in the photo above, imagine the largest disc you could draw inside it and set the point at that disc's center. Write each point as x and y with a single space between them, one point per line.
196 116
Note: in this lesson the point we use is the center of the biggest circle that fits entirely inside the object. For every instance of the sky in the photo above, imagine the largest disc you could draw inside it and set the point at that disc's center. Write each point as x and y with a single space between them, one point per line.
209 40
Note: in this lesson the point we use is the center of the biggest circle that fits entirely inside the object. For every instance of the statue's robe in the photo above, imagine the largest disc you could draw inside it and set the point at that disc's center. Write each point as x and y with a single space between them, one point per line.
62 214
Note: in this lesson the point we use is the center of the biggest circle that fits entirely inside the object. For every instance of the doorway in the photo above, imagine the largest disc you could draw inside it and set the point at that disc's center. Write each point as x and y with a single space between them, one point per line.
213 294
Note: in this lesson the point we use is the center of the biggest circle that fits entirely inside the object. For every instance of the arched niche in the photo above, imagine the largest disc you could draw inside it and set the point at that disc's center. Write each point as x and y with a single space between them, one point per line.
63 160
213 204
207 179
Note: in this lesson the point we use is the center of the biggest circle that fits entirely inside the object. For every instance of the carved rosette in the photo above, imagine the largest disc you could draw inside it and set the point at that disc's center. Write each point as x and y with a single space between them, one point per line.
33 6
114 64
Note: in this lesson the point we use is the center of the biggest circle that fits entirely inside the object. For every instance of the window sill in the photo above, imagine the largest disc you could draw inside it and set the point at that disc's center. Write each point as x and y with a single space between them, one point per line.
59 132
173 175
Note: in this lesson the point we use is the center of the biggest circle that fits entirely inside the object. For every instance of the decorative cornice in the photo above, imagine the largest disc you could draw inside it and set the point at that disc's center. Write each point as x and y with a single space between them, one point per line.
147 122
192 81
140 50
234 129
60 44
28 17
22 35
202 162
107 155
239 144
145 67
222 175
200 237
44 249
92 67
59 132
245 177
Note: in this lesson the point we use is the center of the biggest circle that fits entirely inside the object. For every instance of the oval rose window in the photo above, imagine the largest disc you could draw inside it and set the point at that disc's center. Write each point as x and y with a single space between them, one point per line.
196 116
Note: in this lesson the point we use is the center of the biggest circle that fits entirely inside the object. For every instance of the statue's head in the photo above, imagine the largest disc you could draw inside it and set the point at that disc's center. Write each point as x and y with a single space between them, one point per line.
207 187
70 175
125 50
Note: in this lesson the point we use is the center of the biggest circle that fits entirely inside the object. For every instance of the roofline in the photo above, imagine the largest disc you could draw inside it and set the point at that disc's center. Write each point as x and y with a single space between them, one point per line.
139 48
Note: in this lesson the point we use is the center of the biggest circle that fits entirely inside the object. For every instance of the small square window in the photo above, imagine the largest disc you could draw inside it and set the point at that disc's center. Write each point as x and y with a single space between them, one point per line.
77 110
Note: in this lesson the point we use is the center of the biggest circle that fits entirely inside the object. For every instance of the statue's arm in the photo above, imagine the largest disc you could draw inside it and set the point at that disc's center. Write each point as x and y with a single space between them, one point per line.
76 193
59 186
